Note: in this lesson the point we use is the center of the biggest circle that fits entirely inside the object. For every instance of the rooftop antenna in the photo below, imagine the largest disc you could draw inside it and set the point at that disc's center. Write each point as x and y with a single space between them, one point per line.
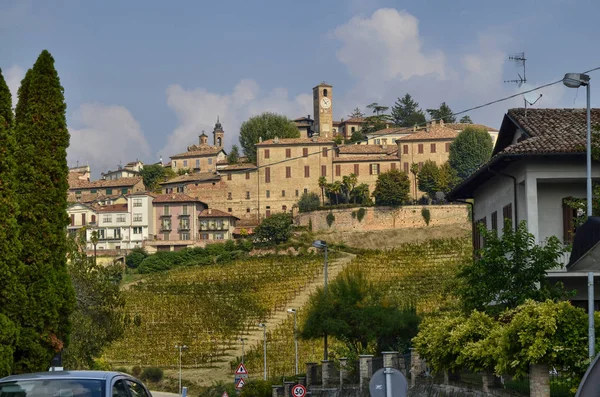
520 61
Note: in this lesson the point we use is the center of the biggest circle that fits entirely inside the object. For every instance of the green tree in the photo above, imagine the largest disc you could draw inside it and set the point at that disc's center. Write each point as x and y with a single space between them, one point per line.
406 112
448 178
135 257
234 155
265 126
508 270
432 341
42 140
309 202
153 175
466 119
356 113
360 194
334 190
470 150
322 186
357 312
414 169
392 188
429 178
356 136
442 113
98 316
378 121
275 229
348 184
12 292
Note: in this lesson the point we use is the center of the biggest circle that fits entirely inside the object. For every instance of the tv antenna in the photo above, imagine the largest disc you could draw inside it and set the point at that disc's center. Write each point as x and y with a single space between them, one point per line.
520 61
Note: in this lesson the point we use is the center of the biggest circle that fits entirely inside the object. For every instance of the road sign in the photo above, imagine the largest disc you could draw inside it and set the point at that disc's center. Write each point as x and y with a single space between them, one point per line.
240 383
225 394
298 391
397 383
241 370
184 391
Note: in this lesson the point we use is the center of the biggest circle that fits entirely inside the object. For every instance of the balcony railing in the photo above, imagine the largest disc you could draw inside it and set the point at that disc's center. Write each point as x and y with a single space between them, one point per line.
165 216
213 227
166 228
183 216
183 228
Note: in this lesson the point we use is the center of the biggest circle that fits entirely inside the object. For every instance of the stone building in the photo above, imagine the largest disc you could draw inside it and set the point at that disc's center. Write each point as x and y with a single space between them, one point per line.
202 157
86 192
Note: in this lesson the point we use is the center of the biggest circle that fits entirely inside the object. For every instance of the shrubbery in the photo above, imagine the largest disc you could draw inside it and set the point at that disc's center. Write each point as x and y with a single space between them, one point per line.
152 374
135 257
309 202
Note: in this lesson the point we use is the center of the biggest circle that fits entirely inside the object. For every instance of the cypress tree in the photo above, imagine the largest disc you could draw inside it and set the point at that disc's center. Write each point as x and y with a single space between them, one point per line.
11 291
42 139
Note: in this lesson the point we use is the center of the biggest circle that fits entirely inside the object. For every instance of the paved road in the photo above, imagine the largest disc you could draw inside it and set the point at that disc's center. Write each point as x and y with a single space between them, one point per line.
163 394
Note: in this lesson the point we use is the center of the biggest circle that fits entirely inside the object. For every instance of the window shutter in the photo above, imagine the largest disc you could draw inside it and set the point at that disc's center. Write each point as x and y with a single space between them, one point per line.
568 222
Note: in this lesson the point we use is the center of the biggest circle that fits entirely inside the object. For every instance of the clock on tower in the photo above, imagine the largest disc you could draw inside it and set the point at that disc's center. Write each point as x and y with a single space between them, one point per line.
323 114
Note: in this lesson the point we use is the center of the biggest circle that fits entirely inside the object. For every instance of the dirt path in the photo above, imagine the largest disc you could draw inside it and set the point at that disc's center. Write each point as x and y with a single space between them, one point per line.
221 370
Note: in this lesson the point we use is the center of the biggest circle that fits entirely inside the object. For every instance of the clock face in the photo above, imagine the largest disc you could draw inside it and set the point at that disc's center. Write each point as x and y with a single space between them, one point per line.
325 103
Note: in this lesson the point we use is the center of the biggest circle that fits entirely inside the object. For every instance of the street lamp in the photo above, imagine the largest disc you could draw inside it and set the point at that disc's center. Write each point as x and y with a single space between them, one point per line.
242 340
264 327
323 245
295 336
576 80
180 347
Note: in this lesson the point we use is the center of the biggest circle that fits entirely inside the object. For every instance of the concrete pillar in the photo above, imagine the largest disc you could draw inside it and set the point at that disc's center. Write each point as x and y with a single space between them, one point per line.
287 388
539 380
326 372
343 370
277 390
310 380
365 369
531 205
390 359
302 380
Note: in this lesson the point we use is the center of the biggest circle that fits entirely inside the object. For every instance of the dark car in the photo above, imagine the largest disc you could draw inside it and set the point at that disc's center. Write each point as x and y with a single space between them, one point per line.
72 384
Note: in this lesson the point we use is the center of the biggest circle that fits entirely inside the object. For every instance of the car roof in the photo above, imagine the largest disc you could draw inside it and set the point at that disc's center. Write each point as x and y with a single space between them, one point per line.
65 375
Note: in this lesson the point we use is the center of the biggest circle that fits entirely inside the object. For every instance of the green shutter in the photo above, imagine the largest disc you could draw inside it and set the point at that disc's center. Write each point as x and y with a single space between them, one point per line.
94 191
108 191
124 191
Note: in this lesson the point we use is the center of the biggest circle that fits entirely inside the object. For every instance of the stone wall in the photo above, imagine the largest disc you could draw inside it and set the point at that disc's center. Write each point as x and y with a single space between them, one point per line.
380 218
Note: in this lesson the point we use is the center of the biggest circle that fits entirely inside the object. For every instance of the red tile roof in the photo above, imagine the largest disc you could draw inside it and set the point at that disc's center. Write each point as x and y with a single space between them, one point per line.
368 149
215 214
175 198
434 132
371 158
194 177
121 182
393 130
354 120
199 151
295 141
112 208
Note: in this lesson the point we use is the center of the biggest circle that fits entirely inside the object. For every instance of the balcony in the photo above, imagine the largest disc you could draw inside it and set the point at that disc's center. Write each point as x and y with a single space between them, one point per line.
183 216
183 228
165 228
213 227
165 216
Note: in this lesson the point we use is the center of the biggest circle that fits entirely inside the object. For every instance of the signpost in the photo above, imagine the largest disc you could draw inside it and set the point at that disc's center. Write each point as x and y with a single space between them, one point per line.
241 374
299 391
388 382
240 383
225 394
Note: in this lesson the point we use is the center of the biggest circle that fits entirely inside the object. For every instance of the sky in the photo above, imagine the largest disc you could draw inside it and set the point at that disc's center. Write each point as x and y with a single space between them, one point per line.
143 79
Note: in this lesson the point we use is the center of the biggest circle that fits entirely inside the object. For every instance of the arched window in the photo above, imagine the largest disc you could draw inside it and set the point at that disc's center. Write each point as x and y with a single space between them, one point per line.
325 92
218 141
352 129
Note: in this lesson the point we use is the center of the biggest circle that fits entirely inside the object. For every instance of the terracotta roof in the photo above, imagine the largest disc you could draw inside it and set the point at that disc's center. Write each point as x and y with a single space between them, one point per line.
436 131
198 151
121 182
194 177
113 208
175 198
336 122
462 126
215 214
91 198
368 149
393 130
354 120
371 158
238 166
295 141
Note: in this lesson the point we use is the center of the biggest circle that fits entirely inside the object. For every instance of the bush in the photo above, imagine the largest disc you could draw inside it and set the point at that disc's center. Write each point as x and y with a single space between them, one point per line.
360 214
257 388
309 202
426 215
330 219
135 257
274 230
136 371
152 374
122 369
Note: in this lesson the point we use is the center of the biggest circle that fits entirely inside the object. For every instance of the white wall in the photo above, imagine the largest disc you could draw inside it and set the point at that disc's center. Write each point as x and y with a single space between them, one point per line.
550 196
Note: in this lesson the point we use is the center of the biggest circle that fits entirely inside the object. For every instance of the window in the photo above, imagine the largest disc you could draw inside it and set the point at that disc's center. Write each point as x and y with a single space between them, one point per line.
83 219
93 218
267 153
137 202
495 221
247 195
338 170
288 172
404 149
268 175
137 217
72 219
166 236
569 215
184 236
305 152
324 152
117 233
297 193
406 168
136 390
204 236
284 208
229 209
393 166
356 168
247 210
229 176
184 224
198 163
323 170
121 218
268 193
229 196
447 147
124 191
247 175
288 153
210 161
108 191
305 190
353 129
507 214
432 148
107 218
420 148
478 238
420 165
179 189
78 192
218 236
166 210
119 389
283 193
374 169
137 230
325 92
185 163
166 224
307 171
94 191
185 210
377 141
174 163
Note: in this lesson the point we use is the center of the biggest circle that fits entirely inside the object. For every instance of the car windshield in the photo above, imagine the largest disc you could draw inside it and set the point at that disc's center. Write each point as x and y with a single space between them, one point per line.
53 388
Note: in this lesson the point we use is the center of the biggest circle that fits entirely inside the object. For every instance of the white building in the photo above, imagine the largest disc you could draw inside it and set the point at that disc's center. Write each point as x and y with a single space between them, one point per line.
537 164
142 217
80 215
130 170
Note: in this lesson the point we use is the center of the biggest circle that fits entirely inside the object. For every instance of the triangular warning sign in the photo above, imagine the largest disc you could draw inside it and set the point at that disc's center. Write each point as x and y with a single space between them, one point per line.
240 383
225 394
241 370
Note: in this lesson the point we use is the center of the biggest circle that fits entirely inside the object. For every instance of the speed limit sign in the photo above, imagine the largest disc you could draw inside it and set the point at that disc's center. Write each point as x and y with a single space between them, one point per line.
298 391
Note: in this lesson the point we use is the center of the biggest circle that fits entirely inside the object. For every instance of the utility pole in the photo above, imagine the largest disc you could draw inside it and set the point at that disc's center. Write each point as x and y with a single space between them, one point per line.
181 348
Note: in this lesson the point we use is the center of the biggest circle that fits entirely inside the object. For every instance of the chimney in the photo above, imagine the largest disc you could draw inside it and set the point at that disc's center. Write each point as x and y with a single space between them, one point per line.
259 139
209 211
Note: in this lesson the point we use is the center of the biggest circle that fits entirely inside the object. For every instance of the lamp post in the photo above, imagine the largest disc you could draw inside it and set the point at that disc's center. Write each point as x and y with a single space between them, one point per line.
181 348
242 340
264 327
295 336
576 80
323 245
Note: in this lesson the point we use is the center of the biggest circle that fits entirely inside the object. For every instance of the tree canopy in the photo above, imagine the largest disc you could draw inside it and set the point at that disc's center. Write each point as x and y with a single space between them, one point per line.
392 188
356 113
153 175
309 201
442 113
429 178
234 155
406 112
266 126
470 150
274 229
466 119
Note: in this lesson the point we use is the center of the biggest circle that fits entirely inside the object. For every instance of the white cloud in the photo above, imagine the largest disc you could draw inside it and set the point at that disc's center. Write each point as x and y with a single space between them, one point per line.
13 76
197 111
106 136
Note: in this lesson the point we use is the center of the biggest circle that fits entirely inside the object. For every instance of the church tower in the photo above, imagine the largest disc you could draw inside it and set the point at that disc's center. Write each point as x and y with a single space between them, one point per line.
322 95
218 134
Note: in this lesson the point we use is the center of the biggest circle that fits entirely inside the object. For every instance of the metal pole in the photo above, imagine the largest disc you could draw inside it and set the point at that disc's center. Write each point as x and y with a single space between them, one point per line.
180 347
242 350
296 341
591 331
325 291
265 351
589 154
388 382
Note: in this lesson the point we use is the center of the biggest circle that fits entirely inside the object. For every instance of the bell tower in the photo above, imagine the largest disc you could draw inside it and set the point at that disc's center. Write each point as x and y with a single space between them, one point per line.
218 134
322 95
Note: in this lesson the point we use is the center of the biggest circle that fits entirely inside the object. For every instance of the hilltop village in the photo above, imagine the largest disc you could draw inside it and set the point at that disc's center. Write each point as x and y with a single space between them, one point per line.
214 200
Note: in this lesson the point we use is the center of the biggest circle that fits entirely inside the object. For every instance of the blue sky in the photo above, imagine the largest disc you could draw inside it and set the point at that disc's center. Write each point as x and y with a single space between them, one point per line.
143 78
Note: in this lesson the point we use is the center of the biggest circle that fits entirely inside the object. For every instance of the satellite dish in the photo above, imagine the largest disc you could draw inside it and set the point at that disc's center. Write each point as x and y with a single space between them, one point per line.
531 97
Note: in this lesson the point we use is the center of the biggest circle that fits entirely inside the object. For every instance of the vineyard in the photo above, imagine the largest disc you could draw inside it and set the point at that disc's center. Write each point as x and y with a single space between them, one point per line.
414 273
207 308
